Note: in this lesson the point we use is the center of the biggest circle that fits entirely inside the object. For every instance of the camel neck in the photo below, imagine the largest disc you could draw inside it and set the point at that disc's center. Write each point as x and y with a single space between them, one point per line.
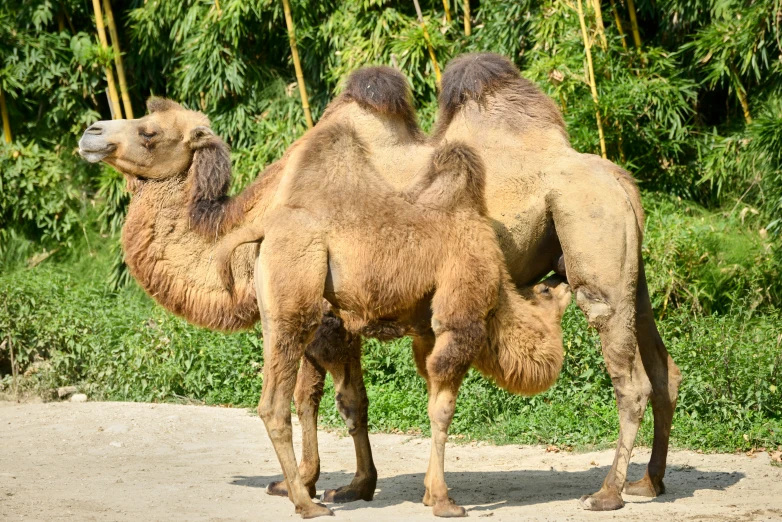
175 265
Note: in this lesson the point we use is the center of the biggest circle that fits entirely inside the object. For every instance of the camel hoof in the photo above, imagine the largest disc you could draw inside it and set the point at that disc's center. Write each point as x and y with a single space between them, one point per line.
347 494
314 511
645 488
448 509
602 501
279 489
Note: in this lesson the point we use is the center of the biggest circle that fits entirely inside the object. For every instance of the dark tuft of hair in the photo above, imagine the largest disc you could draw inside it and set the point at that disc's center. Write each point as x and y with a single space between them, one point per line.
155 104
472 77
456 159
381 89
211 171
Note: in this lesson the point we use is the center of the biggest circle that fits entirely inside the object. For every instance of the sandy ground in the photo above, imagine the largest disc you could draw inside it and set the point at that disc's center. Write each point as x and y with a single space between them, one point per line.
144 462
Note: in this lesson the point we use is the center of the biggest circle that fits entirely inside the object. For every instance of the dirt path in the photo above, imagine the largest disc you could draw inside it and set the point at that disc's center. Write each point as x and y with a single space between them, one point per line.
140 462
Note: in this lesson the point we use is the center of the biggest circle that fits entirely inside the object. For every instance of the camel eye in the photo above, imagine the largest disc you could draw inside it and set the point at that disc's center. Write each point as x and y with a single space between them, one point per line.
148 134
545 290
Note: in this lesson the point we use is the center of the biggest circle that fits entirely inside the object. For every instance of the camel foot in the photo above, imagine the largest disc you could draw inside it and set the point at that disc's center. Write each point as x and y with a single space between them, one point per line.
279 489
314 510
448 509
645 487
603 500
363 490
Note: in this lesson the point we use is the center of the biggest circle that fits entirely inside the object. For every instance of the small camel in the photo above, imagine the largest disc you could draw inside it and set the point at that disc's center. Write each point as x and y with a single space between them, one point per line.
425 262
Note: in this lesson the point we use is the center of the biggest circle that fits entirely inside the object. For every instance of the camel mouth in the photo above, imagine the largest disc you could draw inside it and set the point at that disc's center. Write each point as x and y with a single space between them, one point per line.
95 155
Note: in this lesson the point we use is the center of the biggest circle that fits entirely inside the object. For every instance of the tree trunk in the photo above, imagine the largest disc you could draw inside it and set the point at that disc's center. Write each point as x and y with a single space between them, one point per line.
601 31
296 63
428 42
6 120
634 24
467 23
619 24
447 10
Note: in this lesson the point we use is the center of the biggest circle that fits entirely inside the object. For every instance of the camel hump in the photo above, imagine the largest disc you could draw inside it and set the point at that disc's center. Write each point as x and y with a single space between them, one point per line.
472 76
381 89
456 178
475 76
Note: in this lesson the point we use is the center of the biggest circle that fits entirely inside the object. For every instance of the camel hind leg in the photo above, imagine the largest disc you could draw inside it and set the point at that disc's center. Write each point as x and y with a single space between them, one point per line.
665 378
353 405
598 228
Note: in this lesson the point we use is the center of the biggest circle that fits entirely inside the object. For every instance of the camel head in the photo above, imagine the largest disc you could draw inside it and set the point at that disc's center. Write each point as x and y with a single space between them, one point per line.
169 142
553 294
162 144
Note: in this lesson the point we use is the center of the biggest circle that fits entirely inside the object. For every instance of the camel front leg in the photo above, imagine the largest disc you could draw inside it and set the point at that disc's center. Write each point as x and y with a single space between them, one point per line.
281 360
446 367
307 397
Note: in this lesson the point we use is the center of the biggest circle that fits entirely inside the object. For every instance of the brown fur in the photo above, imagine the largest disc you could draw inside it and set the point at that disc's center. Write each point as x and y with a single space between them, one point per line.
379 90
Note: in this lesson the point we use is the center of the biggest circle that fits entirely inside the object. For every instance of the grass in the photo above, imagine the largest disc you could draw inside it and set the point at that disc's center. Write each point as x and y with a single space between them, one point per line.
67 328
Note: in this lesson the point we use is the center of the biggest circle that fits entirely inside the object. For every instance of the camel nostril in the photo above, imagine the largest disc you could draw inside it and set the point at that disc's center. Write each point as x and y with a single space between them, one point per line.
95 129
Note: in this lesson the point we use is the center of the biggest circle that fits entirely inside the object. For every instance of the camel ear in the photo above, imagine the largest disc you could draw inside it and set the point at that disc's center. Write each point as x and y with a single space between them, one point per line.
200 137
211 177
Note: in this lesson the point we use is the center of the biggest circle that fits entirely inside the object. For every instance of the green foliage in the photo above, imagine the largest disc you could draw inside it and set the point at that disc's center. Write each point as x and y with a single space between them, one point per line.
708 262
40 200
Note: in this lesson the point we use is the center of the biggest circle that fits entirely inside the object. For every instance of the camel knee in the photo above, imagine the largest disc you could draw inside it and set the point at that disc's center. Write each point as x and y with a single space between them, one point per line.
597 310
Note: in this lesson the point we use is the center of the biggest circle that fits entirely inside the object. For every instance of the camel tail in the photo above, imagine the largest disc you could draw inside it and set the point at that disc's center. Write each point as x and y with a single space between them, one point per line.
249 233
524 354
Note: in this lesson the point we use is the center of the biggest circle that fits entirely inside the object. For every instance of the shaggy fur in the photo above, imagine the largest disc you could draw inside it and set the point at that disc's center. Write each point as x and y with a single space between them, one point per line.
211 176
382 91
475 77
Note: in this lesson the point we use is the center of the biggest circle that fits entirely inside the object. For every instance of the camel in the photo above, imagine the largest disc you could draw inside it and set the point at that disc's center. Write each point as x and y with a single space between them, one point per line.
552 208
425 262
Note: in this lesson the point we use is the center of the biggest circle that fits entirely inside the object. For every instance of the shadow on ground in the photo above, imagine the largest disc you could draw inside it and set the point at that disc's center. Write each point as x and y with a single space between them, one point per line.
487 490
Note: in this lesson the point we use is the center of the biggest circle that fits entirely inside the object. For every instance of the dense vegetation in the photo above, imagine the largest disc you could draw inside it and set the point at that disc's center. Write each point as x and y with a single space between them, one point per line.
689 101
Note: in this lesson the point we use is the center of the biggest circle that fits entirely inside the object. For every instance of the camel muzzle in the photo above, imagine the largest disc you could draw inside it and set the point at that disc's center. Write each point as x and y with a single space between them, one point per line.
93 145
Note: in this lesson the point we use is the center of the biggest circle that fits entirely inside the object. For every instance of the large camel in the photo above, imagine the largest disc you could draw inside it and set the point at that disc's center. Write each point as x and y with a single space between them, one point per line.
425 261
551 207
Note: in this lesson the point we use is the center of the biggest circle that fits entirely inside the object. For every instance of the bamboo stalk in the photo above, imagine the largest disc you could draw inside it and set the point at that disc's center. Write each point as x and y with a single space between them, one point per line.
296 63
634 24
123 84
592 84
116 110
447 11
467 26
6 120
599 22
742 94
428 42
619 25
